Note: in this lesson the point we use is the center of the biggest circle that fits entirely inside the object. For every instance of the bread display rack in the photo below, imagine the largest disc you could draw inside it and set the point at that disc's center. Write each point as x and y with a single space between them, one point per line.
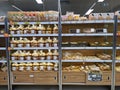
81 52
3 59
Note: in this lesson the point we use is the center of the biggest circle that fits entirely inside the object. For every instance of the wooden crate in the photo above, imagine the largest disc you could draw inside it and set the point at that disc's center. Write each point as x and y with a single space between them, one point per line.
23 77
106 79
3 78
46 78
73 77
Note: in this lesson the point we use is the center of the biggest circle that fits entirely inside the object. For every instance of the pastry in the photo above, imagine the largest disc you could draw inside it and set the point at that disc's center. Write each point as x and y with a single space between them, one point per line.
35 66
15 55
4 67
43 29
42 66
35 55
27 30
39 29
20 29
55 29
33 29
28 55
22 66
34 42
49 66
15 66
42 55
48 30
48 42
55 55
26 42
29 66
14 42
41 42
12 29
76 17
22 55
100 17
20 42
56 67
49 55
55 42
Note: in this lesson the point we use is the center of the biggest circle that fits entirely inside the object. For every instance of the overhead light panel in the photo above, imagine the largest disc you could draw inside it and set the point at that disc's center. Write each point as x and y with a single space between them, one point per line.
16 8
89 11
39 1
100 0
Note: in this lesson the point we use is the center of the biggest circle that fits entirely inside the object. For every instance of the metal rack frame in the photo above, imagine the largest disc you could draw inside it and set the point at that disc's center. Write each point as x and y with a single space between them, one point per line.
60 47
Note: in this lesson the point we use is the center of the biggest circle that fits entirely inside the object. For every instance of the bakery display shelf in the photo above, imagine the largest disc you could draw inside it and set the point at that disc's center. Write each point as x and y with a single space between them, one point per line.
117 61
3 61
73 48
87 21
32 48
2 48
1 35
73 83
86 60
89 34
31 84
49 22
2 23
32 35
55 61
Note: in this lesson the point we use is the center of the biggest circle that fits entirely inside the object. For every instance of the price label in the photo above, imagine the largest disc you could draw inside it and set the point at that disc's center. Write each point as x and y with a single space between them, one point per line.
15 23
93 76
26 23
37 22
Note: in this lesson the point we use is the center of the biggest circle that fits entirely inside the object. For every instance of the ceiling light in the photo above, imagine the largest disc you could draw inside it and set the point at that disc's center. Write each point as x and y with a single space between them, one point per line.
89 11
39 1
16 7
100 0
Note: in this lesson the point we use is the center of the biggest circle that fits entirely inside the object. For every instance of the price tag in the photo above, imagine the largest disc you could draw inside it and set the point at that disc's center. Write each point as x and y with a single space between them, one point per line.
94 76
26 23
37 22
15 23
